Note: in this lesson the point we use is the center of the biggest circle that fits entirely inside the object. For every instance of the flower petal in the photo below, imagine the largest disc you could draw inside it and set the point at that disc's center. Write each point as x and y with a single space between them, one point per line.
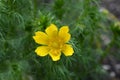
40 37
55 55
42 50
64 29
63 34
52 30
67 50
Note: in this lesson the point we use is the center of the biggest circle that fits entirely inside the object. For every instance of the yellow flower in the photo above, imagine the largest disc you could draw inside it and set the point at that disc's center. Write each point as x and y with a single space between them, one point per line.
53 42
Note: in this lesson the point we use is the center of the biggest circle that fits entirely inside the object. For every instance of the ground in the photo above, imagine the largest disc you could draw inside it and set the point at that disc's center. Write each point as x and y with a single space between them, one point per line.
111 64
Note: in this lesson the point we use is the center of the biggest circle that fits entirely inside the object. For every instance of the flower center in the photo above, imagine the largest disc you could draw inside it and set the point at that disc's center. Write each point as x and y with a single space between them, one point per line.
55 44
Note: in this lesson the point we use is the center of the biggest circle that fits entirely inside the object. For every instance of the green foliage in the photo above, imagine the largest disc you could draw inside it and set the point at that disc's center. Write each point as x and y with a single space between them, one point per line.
19 19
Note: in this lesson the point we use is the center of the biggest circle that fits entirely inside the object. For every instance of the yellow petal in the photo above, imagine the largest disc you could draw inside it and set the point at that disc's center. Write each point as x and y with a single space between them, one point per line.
55 55
67 50
40 37
52 30
64 29
63 34
42 50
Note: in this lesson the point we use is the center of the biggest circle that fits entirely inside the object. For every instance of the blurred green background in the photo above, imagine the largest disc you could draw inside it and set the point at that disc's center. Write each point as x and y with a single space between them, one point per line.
95 39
